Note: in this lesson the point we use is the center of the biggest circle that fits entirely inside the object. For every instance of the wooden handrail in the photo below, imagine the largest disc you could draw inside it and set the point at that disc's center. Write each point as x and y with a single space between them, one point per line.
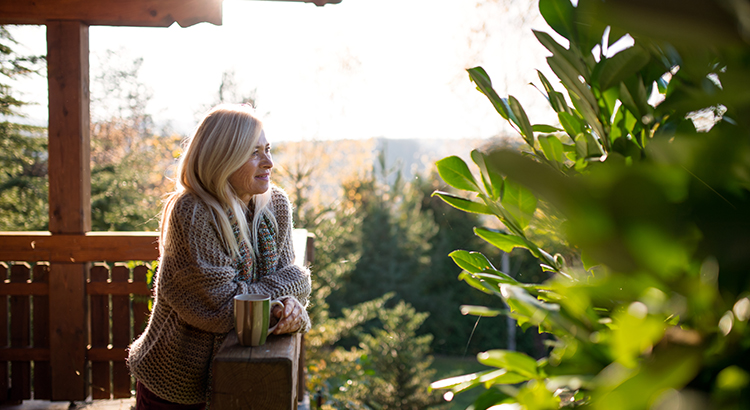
69 248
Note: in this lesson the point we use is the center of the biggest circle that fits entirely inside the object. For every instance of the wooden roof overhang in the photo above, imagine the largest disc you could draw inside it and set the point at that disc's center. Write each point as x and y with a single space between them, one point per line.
69 245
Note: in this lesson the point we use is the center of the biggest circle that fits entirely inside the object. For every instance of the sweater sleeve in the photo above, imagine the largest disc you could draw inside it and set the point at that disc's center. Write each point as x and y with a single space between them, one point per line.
297 277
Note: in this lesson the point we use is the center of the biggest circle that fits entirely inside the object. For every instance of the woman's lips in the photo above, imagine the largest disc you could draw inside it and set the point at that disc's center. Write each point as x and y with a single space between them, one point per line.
263 177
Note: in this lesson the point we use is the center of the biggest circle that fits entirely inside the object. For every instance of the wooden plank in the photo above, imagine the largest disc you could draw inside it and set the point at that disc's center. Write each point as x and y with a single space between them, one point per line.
120 334
67 316
118 288
24 354
3 338
23 288
69 146
89 247
99 334
20 335
105 354
140 302
42 371
147 13
262 377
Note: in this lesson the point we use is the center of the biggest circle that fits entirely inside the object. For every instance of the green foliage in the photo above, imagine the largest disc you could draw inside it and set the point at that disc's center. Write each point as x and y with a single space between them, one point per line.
649 170
23 159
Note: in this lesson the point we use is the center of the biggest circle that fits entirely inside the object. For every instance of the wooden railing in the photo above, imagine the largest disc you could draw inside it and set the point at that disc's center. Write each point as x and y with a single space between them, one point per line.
111 299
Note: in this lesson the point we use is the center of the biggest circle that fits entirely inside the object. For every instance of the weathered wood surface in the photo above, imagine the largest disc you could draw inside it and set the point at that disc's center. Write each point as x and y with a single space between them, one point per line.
256 378
84 247
144 13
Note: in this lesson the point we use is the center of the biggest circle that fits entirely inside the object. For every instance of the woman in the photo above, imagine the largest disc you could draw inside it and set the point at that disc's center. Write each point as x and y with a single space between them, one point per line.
225 231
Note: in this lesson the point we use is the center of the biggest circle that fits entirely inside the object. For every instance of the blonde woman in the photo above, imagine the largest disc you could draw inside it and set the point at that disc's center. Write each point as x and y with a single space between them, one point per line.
226 230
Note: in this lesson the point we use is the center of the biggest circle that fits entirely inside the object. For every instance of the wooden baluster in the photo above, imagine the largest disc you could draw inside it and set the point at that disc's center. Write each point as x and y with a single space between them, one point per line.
42 371
99 305
20 335
120 334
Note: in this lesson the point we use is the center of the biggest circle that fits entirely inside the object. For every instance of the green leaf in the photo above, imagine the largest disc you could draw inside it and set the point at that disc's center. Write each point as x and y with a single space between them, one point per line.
545 128
473 262
463 203
481 311
588 147
512 361
522 120
552 149
476 283
482 80
571 124
575 63
559 15
519 202
502 376
503 241
556 99
622 65
455 173
493 182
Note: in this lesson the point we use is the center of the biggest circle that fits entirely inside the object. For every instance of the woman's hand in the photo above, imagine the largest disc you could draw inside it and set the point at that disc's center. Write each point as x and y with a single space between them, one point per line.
290 316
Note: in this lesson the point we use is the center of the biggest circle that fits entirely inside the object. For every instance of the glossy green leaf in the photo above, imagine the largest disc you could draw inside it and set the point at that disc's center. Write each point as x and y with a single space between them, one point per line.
502 376
473 262
481 311
519 202
476 283
622 65
456 173
545 128
559 15
463 203
522 120
512 361
482 80
552 149
503 241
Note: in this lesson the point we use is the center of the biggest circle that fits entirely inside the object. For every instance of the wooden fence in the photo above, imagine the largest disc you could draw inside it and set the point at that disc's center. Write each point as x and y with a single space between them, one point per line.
115 308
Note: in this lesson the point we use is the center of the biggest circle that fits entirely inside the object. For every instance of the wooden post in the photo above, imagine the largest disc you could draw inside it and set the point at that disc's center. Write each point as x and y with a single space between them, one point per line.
256 378
69 200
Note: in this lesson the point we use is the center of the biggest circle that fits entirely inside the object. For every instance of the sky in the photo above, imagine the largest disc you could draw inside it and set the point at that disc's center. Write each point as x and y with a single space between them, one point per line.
358 69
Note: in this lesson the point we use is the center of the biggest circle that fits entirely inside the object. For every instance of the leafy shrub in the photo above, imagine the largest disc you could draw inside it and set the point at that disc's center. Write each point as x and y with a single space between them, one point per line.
649 168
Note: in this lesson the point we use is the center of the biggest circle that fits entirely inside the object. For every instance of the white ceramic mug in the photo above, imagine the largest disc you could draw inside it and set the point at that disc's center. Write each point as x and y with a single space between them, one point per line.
252 315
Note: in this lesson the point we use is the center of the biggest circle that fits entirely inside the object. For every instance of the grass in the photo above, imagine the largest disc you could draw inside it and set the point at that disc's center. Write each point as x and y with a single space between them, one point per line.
449 366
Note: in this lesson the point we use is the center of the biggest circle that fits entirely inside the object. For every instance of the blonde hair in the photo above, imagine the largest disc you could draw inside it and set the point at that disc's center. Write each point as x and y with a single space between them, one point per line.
221 144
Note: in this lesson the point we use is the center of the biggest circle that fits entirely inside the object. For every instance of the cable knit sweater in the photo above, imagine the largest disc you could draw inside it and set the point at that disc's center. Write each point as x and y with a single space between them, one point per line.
193 300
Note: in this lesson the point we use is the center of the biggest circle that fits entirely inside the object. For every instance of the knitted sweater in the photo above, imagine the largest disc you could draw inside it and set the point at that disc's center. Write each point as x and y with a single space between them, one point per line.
193 300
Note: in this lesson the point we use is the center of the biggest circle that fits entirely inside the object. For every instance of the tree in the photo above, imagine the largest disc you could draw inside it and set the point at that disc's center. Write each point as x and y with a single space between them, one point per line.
654 194
23 150
130 163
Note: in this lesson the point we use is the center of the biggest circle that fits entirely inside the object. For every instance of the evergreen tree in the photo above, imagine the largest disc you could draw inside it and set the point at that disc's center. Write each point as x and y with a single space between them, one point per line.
23 148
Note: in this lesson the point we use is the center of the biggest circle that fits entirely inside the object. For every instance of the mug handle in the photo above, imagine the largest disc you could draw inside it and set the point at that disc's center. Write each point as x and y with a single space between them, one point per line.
274 302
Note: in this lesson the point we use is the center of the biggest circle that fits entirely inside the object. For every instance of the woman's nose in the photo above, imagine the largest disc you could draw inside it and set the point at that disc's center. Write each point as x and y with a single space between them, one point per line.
267 161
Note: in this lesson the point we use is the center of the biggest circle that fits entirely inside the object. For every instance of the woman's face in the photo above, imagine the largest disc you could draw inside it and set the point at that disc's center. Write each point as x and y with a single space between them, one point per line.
254 176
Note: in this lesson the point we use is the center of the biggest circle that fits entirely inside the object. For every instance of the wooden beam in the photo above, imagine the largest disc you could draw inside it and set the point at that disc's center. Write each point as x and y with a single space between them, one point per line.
69 200
144 13
68 331
69 134
88 247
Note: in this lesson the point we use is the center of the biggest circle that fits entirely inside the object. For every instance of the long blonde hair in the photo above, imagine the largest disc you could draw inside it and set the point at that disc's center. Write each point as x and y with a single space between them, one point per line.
222 143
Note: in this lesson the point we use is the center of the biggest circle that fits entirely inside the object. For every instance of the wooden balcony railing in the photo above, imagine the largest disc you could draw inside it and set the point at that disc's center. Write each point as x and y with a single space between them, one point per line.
92 282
